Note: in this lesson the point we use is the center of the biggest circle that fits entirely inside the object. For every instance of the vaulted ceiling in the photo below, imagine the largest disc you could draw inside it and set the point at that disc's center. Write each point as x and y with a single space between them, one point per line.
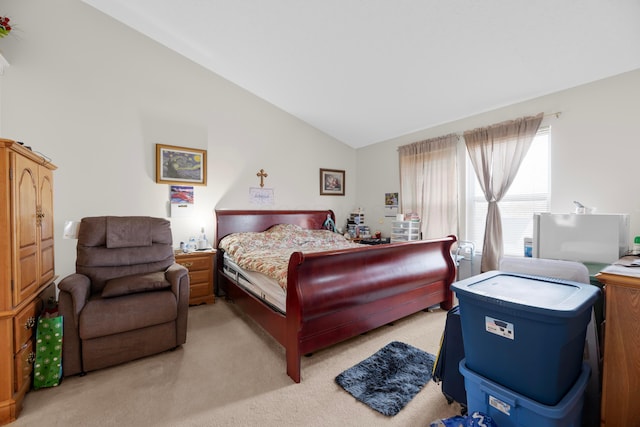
366 71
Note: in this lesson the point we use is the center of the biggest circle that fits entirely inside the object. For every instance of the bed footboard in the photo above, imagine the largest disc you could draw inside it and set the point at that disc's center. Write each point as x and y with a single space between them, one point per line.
334 296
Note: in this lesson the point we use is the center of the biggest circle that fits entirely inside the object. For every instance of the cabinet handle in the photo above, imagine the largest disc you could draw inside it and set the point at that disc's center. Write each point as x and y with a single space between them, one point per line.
30 323
186 264
31 358
39 216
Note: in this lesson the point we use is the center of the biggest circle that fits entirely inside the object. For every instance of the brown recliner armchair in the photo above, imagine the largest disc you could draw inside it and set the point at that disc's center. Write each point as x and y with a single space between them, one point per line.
128 298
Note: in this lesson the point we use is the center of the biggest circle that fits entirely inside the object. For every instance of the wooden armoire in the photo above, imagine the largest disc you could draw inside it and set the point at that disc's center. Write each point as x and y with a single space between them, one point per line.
26 265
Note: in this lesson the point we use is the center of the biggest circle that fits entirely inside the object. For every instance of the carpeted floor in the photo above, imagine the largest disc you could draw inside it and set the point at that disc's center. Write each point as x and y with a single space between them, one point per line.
230 373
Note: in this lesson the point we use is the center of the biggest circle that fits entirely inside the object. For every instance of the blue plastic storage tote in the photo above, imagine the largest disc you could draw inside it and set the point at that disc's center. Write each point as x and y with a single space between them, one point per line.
525 332
510 409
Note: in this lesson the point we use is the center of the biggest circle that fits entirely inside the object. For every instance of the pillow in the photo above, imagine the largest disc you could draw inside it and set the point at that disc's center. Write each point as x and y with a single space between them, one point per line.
127 232
284 228
135 283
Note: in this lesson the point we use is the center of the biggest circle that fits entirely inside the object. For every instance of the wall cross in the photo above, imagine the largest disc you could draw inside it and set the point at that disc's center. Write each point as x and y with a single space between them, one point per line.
262 174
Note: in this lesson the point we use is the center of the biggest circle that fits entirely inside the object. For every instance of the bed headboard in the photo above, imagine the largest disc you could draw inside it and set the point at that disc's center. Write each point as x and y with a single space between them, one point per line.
234 221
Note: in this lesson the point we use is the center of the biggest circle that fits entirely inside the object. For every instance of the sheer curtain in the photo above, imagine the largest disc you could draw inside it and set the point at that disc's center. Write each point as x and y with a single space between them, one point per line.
429 184
496 153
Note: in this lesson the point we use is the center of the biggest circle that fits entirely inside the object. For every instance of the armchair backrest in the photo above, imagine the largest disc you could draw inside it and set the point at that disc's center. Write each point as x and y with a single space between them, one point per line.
113 246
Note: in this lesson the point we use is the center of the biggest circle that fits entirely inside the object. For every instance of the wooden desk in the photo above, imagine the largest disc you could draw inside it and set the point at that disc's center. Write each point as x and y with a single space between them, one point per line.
621 364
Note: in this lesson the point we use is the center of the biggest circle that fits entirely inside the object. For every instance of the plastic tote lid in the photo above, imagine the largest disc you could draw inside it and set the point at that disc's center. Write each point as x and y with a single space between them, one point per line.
523 291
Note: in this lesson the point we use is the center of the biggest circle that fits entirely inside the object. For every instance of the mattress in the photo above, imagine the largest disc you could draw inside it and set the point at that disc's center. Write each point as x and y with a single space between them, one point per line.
268 252
258 284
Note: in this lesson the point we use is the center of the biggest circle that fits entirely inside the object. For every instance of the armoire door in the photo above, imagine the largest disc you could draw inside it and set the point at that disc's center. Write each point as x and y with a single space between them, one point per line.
45 224
25 238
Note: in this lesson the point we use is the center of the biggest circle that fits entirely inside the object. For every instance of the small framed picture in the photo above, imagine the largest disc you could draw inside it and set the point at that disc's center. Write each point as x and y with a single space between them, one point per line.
180 165
331 182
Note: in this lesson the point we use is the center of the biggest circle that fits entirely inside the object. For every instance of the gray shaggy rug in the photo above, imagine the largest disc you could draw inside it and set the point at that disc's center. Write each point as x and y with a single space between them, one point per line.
389 379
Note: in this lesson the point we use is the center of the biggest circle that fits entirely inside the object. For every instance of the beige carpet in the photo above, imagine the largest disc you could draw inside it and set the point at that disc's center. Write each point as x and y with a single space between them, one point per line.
230 373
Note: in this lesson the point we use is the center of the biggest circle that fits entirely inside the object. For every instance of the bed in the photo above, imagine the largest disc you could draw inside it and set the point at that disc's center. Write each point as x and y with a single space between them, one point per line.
335 295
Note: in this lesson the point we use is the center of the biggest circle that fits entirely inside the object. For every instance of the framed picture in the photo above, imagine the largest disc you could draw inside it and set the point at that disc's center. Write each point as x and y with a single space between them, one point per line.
180 165
331 182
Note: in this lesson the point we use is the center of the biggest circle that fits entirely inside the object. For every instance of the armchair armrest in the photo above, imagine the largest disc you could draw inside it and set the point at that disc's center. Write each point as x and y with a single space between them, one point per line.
74 295
79 287
178 276
175 274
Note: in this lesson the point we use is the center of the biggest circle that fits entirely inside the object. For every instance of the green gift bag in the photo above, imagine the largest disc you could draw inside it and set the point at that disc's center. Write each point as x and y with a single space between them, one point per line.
47 369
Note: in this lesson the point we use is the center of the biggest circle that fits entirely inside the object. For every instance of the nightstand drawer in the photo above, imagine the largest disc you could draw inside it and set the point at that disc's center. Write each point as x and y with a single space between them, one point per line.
200 290
194 263
196 277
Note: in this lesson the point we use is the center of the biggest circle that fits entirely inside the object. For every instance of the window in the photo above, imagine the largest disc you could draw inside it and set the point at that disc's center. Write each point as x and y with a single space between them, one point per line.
529 193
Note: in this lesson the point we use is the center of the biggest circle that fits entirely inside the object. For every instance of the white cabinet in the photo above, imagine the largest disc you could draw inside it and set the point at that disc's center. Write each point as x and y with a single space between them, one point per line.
405 231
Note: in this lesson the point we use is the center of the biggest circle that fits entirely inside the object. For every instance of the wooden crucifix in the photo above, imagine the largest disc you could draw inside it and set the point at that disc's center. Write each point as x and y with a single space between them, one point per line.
262 174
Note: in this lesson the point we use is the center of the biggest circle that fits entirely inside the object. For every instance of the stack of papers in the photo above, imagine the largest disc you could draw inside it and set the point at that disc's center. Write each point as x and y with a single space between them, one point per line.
625 266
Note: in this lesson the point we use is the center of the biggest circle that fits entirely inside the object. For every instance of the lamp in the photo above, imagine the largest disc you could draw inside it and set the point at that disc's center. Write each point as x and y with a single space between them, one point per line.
71 229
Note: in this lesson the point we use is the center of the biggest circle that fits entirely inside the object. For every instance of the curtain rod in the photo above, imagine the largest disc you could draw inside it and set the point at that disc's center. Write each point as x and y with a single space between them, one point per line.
557 115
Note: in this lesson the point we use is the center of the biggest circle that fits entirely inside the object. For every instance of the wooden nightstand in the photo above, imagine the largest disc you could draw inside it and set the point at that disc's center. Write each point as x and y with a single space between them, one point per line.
201 268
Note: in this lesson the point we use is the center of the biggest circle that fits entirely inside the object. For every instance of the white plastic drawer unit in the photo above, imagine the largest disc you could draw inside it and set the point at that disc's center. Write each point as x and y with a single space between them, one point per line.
405 231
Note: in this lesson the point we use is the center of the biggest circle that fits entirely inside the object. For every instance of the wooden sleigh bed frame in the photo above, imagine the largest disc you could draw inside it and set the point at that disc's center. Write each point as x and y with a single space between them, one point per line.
333 296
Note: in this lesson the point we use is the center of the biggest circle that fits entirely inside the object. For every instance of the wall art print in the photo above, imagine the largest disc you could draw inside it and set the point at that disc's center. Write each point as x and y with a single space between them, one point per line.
180 165
331 182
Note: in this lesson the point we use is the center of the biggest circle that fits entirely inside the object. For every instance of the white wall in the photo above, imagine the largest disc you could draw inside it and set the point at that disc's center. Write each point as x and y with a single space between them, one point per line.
96 96
595 149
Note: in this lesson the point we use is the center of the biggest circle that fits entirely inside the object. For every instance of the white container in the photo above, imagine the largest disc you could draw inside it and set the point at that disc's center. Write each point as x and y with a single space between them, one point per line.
405 231
599 238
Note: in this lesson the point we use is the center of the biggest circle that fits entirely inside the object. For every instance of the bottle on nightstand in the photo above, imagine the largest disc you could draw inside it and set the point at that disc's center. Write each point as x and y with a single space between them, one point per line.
202 240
